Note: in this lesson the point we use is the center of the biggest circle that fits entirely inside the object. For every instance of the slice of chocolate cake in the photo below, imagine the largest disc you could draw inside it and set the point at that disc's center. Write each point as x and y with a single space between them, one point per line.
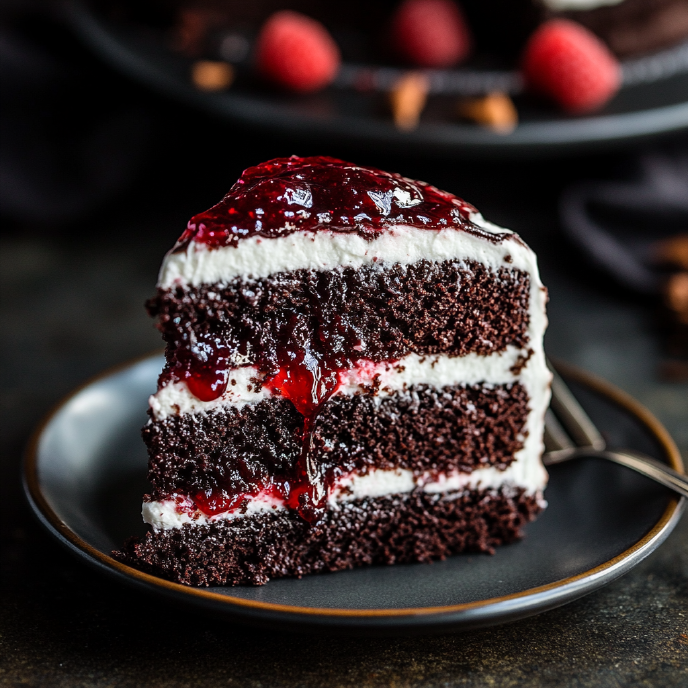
355 375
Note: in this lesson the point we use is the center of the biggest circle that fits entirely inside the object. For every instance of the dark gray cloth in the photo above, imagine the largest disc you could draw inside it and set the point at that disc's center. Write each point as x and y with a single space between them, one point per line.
68 142
616 223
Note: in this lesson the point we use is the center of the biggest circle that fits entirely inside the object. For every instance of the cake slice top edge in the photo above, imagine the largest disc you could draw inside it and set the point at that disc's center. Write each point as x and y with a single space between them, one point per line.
285 195
320 213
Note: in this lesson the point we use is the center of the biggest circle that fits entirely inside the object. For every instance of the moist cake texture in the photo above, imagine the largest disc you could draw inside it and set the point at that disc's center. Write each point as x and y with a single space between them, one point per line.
354 375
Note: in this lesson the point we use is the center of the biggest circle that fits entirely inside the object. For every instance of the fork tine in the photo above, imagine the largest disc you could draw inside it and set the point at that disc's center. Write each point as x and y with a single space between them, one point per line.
555 436
572 416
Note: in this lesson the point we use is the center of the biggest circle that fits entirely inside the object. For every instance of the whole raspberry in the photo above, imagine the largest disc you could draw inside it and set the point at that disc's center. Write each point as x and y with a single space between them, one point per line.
297 52
430 33
568 63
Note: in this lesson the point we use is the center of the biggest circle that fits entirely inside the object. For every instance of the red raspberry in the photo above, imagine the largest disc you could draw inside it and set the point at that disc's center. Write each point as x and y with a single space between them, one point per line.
431 33
297 52
568 63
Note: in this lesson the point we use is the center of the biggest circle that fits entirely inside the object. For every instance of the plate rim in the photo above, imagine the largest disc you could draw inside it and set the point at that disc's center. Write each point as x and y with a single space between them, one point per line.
503 608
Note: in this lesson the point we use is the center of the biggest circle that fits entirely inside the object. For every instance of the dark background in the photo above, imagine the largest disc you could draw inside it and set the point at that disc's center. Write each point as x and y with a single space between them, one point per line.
97 179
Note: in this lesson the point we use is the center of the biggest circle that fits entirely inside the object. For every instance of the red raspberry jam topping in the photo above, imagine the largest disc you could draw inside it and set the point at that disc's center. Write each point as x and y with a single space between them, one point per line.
287 195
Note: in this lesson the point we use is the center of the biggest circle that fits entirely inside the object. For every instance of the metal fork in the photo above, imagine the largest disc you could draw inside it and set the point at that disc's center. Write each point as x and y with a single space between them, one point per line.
569 434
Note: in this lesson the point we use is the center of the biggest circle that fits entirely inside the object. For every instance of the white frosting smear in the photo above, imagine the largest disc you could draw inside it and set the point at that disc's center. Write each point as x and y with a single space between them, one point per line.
528 475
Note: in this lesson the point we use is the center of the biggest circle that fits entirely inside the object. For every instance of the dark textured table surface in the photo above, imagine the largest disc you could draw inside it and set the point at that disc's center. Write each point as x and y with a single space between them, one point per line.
72 305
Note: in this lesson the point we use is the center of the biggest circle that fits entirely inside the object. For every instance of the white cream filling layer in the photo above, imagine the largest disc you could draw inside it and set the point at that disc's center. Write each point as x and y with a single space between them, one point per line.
436 371
258 257
175 398
174 513
531 476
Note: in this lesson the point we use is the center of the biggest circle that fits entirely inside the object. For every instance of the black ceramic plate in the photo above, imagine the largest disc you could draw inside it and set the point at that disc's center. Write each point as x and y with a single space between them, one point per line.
85 476
646 107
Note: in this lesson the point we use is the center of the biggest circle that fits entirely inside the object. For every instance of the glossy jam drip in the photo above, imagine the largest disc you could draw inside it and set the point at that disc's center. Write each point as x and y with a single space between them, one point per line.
286 195
218 501
204 366
305 369
308 382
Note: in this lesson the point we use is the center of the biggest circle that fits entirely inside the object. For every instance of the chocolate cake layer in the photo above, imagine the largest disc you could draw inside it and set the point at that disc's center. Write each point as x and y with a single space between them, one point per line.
384 530
378 312
423 429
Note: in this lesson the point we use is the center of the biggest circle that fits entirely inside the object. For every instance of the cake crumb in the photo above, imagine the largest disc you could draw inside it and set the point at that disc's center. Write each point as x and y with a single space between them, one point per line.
521 362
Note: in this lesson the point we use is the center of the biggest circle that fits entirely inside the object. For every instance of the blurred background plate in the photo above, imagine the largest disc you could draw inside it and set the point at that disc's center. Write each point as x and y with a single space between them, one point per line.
646 109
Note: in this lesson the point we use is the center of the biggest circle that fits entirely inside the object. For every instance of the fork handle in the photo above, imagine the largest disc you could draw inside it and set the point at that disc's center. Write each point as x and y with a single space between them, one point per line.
641 463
